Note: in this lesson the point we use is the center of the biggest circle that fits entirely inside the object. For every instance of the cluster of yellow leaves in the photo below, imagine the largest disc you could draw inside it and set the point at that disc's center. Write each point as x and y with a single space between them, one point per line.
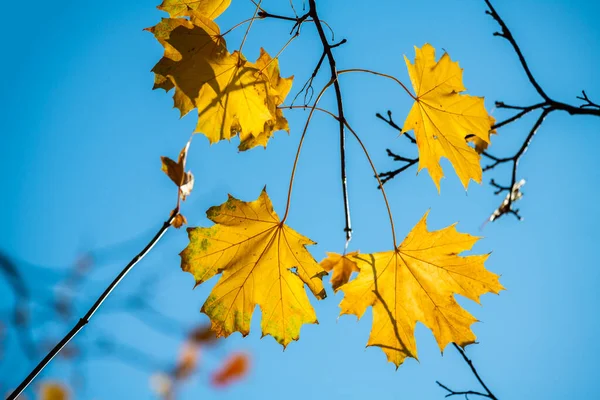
442 117
417 282
232 95
262 262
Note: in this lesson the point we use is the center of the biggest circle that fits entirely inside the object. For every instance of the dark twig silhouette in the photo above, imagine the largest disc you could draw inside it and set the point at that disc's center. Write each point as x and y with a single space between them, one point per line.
488 393
313 16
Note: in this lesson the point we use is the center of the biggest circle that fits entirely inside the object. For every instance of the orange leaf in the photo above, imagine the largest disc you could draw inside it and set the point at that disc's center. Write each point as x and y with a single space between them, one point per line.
235 368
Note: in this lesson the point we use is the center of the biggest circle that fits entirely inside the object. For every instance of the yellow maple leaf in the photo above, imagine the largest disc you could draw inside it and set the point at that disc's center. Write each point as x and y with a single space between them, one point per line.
262 261
232 95
342 265
280 89
442 117
209 8
479 144
417 282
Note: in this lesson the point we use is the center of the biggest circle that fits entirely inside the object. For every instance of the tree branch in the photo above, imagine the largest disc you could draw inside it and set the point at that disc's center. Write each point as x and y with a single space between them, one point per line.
86 318
327 48
488 393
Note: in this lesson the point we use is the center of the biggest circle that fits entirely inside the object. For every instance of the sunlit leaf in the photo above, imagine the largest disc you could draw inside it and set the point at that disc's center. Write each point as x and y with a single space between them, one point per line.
232 95
262 262
342 265
209 8
442 117
417 282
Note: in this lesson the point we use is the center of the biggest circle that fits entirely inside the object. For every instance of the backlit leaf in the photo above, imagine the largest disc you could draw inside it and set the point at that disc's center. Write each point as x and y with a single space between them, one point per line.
232 95
342 265
209 8
442 117
280 89
262 262
417 282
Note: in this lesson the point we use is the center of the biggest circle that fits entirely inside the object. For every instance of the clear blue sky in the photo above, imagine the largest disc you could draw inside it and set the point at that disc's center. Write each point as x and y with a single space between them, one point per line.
82 133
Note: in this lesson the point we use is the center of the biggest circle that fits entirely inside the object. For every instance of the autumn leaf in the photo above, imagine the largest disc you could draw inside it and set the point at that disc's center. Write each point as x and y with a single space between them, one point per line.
417 282
442 117
280 89
53 391
176 172
342 265
209 8
262 262
479 144
235 368
232 95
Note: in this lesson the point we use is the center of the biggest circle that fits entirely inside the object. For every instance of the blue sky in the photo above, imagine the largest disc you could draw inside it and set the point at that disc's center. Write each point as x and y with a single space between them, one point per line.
82 133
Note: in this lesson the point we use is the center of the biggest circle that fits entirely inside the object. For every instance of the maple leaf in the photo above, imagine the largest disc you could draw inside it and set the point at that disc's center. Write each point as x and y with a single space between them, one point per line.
209 8
232 95
342 265
189 44
262 261
280 89
442 117
417 282
176 172
479 144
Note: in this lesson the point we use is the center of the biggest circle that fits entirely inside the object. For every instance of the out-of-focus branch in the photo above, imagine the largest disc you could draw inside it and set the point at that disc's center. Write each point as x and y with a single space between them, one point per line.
86 318
21 310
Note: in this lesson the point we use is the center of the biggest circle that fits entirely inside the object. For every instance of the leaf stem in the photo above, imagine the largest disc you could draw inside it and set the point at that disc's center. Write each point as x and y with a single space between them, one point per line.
250 26
385 199
293 174
368 71
86 318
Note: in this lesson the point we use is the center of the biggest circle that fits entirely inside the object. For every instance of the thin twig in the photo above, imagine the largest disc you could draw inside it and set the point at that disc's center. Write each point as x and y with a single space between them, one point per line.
86 318
488 393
